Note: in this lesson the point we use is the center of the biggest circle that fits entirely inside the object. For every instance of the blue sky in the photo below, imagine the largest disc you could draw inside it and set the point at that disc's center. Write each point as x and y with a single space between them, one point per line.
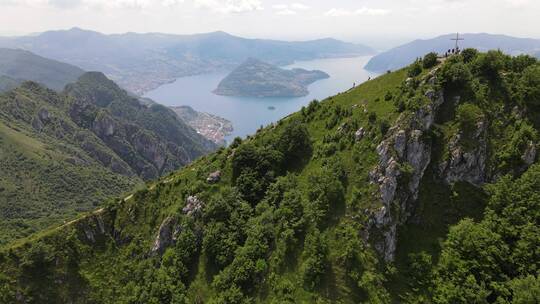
381 23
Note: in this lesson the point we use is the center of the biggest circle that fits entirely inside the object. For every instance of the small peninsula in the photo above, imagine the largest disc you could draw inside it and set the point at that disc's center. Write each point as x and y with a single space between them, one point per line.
210 126
255 78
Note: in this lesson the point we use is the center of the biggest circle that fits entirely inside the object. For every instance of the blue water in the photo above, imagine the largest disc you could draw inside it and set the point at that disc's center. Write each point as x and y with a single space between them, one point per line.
248 114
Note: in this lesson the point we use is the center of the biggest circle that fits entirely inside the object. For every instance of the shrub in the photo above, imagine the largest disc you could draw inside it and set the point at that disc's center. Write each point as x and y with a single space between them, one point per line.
294 143
468 115
469 55
455 74
430 60
521 62
490 64
530 85
415 69
384 126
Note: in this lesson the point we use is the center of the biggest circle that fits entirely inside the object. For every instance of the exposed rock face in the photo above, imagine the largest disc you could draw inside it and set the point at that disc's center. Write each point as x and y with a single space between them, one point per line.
150 148
42 118
530 154
403 158
193 206
214 177
104 126
166 236
463 165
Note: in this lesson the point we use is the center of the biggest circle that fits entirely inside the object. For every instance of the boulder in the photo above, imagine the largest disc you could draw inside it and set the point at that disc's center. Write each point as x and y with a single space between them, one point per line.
359 134
214 177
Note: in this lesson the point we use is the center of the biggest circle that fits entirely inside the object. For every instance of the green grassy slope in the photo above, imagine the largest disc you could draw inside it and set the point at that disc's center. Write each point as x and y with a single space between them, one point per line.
291 219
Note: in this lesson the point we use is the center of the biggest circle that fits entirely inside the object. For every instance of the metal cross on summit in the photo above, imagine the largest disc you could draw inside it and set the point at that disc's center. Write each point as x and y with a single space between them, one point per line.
457 39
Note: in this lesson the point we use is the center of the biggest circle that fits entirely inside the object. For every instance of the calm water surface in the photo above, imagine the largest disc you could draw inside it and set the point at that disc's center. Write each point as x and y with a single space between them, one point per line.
248 114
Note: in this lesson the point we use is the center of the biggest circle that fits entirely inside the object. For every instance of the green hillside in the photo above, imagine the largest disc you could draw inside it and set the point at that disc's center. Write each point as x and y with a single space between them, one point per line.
419 186
63 154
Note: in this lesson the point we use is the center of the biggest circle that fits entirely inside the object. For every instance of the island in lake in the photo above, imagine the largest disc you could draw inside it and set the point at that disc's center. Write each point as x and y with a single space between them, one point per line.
210 126
255 78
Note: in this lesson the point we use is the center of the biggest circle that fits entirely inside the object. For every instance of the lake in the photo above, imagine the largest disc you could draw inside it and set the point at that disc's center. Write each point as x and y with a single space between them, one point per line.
248 114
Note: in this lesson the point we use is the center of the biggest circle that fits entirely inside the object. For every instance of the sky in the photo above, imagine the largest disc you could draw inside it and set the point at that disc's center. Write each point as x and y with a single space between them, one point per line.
379 23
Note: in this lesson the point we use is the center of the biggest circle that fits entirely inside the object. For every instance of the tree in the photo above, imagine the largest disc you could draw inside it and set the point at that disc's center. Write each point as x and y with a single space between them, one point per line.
530 85
415 69
490 64
469 54
315 259
455 74
294 143
468 115
430 60
521 62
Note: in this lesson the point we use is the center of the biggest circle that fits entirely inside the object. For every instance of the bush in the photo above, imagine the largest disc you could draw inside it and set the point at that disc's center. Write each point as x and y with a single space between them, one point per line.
294 143
384 126
521 62
415 69
530 85
388 96
315 260
469 55
430 60
455 74
490 64
468 115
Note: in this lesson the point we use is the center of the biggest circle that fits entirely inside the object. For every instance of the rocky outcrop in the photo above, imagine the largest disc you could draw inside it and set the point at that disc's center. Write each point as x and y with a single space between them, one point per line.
467 164
214 177
403 158
193 206
104 126
530 154
150 148
166 236
359 134
41 119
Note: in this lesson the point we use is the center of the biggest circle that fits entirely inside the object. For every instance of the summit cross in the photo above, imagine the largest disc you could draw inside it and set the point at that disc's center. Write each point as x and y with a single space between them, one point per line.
457 39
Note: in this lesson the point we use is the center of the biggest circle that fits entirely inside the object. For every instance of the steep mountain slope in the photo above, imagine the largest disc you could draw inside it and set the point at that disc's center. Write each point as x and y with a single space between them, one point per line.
403 55
141 62
20 64
345 201
255 78
8 83
62 154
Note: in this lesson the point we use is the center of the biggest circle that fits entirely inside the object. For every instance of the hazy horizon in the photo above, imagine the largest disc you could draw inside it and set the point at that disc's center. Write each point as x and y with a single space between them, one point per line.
380 24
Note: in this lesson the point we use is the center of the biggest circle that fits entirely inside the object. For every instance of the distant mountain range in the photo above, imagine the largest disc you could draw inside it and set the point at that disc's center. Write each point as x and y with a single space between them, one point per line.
65 153
18 65
255 78
141 62
403 55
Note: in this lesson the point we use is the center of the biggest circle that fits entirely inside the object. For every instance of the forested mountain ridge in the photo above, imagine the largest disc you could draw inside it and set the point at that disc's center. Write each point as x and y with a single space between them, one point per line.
346 201
66 153
403 55
20 65
142 62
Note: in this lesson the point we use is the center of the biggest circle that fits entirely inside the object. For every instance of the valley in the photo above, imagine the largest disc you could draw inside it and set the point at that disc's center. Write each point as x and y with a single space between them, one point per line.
394 191
247 114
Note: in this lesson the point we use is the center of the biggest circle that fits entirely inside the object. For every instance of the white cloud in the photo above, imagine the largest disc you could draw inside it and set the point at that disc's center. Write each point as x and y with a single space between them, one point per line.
364 11
123 4
290 9
230 6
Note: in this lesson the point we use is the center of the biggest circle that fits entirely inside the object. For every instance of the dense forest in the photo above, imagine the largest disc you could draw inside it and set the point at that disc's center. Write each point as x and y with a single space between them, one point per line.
419 186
